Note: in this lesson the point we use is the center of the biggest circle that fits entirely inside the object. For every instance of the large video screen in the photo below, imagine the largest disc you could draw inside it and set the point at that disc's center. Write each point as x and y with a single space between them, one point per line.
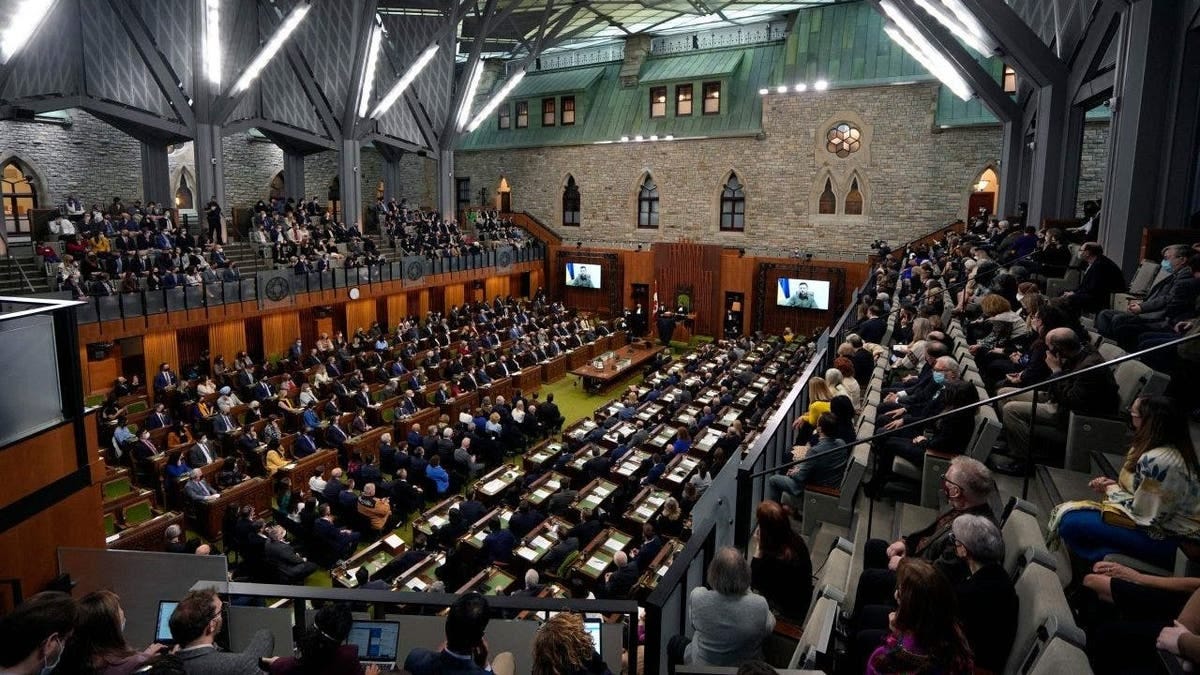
802 293
583 275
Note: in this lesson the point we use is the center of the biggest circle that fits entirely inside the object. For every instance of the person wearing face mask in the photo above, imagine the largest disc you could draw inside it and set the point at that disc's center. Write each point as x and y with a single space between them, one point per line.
36 633
1093 393
970 489
1112 323
195 624
1101 277
99 644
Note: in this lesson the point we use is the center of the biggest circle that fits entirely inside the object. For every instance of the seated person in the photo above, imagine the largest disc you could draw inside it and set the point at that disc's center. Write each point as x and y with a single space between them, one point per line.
1156 498
822 465
287 566
465 651
377 510
435 472
195 624
198 489
947 435
730 621
781 569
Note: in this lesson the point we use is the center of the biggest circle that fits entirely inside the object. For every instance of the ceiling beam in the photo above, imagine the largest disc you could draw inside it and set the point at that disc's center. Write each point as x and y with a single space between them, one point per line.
147 48
364 24
286 136
984 85
450 127
1028 54
1096 90
312 90
1103 27
397 143
140 124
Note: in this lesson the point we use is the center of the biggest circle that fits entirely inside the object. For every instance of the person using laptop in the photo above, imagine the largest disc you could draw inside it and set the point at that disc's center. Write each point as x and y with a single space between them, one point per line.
566 645
323 649
466 650
99 643
195 624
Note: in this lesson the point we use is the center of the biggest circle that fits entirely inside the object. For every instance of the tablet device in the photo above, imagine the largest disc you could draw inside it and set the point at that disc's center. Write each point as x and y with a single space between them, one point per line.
162 632
592 626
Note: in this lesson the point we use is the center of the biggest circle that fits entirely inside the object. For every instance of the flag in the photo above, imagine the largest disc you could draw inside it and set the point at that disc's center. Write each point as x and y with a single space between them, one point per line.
654 302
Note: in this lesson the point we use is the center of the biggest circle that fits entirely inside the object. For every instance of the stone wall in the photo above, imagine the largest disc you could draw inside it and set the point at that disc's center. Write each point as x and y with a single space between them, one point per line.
914 178
1093 167
85 158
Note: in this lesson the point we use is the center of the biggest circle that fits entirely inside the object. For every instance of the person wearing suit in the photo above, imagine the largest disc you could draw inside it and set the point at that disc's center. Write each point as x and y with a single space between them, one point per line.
466 651
198 489
159 418
873 327
558 553
1101 278
498 545
304 445
651 544
195 623
524 520
201 453
404 496
598 465
223 424
289 567
619 583
336 437
472 511
165 381
340 541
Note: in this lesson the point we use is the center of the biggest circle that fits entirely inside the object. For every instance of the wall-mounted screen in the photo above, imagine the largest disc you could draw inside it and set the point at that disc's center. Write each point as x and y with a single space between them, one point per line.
802 293
583 275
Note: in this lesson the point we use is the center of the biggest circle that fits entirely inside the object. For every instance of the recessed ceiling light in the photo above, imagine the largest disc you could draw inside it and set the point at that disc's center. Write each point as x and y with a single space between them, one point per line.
821 85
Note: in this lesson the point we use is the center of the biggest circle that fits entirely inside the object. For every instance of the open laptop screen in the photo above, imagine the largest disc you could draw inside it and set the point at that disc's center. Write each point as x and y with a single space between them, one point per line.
375 640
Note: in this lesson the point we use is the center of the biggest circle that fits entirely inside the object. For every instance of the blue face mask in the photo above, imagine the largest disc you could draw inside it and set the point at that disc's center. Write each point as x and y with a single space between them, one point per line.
939 377
1166 265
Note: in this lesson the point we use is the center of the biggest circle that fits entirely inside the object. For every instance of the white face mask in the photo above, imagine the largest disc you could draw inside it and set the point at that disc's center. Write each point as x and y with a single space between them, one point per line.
51 664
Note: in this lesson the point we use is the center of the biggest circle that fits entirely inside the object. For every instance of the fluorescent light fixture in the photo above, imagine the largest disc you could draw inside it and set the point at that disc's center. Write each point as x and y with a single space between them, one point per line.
781 89
961 22
654 137
638 138
801 87
624 139
290 23
764 91
26 20
405 81
464 113
212 41
904 33
364 95
496 100
821 85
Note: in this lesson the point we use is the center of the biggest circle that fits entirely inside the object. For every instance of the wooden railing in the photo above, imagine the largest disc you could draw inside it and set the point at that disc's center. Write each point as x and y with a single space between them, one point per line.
535 227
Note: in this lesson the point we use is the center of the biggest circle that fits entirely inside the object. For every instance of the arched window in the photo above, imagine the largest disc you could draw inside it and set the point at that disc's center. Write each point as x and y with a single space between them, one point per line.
183 194
570 203
278 187
828 201
19 194
648 204
854 200
733 205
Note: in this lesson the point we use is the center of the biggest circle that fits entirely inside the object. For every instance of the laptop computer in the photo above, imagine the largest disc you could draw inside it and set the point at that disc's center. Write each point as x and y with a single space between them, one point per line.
378 642
592 626
162 632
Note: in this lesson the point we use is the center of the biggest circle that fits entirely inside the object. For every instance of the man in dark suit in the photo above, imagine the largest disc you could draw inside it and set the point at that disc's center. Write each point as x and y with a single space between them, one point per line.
1101 278
340 541
333 487
619 583
198 489
651 544
598 465
558 553
499 543
201 454
405 496
471 511
288 566
466 652
525 519
532 585
874 326
159 418
195 624
305 445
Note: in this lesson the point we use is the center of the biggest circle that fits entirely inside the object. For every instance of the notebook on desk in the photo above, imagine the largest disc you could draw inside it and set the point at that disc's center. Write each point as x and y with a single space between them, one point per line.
378 642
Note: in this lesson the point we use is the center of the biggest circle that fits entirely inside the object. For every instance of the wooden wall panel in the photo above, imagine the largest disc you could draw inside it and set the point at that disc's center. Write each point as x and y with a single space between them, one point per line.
737 276
324 326
359 314
494 286
36 461
98 376
279 331
159 347
639 269
397 309
29 551
454 295
687 264
192 342
422 303
227 339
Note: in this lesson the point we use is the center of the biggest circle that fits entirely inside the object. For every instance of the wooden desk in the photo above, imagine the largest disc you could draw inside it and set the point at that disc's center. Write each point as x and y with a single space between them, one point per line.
209 518
726 417
373 557
660 438
650 413
578 431
436 516
535 545
618 434
530 378
491 581
596 559
658 567
421 576
145 536
593 495
548 591
463 403
705 441
631 463
598 379
645 506
542 454
500 386
300 470
478 531
490 487
545 487
366 443
554 369
574 466
424 417
679 470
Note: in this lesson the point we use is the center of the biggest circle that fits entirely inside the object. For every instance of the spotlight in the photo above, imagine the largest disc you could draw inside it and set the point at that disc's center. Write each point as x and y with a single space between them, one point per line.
802 87
821 85
782 89
624 139
764 91
654 137
638 138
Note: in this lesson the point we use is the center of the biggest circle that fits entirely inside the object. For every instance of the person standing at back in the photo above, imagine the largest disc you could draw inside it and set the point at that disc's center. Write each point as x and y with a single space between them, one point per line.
466 649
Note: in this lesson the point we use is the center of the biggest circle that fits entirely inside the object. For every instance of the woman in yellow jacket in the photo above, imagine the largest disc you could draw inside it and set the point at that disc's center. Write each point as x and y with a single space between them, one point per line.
819 396
276 459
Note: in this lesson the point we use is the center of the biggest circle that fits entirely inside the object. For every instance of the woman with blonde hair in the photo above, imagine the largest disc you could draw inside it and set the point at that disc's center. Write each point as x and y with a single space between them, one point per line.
819 396
841 385
561 646
670 520
914 351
